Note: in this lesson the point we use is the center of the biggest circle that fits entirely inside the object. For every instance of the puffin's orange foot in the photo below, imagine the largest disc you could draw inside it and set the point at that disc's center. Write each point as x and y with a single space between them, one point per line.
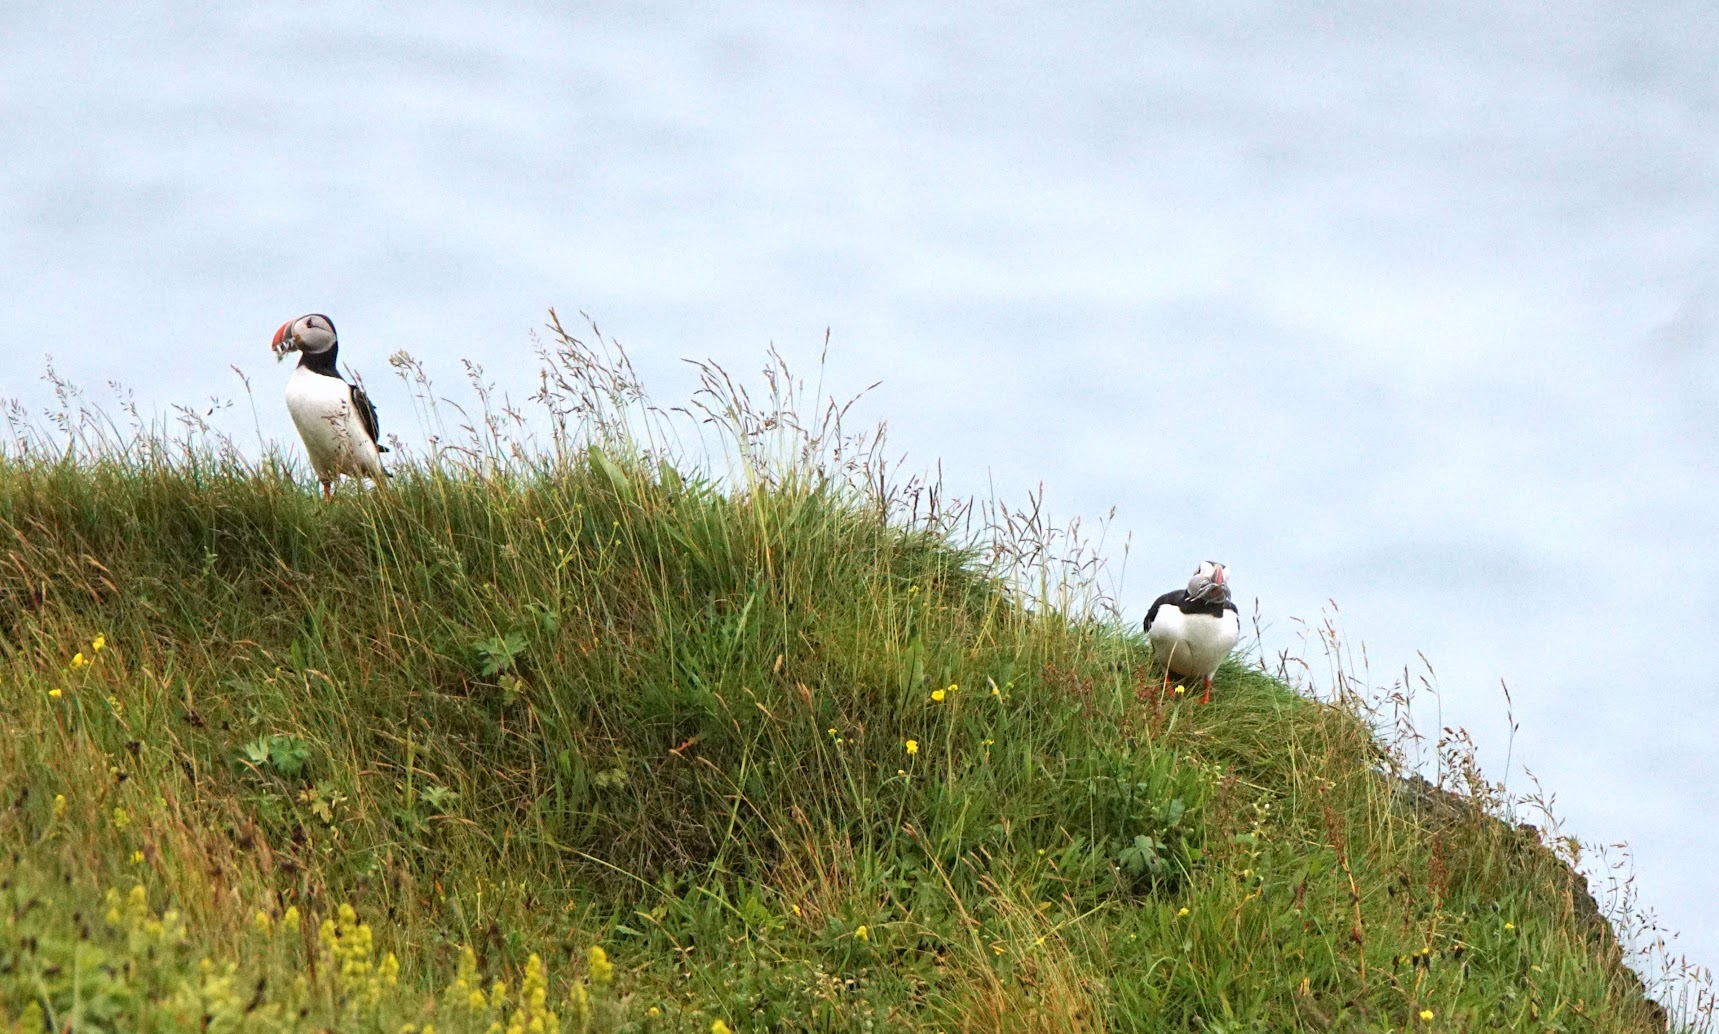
1207 698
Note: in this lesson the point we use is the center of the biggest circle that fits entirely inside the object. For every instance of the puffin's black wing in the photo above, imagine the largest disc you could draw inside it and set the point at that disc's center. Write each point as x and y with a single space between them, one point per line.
1174 599
367 416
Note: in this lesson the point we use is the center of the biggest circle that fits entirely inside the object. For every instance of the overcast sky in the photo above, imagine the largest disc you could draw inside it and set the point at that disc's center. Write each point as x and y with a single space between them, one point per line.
1413 310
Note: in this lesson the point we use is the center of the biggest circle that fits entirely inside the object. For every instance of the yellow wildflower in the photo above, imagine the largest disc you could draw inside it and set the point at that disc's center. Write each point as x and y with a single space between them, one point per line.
262 922
98 644
1180 689
602 970
937 695
79 660
1426 1015
289 919
55 693
953 686
1509 926
137 857
912 746
653 1012
862 934
1181 911
59 805
718 1027
121 818
532 1016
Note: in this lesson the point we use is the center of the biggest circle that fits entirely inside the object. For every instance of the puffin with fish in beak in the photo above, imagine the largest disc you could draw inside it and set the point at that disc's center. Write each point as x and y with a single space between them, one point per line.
336 419
1192 630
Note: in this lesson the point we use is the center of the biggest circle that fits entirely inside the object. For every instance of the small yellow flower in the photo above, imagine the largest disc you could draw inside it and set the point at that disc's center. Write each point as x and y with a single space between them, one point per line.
990 742
953 686
862 934
1181 911
797 910
1426 1015
913 746
901 771
79 660
653 1012
718 1027
59 805
289 919
98 644
597 960
121 818
1180 689
137 857
55 693
262 922
937 695
1510 926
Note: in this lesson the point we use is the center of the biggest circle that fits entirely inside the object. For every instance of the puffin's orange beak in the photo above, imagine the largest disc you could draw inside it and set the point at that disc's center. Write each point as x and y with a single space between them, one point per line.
1217 574
280 335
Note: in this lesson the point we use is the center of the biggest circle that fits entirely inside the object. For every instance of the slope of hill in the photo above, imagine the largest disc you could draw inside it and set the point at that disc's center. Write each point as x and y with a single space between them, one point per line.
581 736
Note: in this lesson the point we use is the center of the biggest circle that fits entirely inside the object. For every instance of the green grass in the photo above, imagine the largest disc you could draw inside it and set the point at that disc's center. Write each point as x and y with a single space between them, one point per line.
799 747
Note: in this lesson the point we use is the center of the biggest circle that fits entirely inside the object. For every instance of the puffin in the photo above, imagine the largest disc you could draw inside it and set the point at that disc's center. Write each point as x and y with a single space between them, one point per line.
1192 630
336 420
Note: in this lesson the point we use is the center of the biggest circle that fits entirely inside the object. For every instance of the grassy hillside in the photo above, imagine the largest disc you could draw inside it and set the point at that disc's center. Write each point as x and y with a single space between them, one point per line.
577 736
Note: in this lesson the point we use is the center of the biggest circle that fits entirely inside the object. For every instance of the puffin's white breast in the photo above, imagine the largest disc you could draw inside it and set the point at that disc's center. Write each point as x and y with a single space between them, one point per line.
1193 644
321 408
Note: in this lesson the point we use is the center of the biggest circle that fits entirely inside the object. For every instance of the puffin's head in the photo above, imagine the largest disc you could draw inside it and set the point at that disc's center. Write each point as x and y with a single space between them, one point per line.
308 334
1210 583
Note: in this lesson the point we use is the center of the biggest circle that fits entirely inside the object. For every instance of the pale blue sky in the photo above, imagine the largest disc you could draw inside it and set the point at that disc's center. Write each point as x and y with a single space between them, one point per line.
1413 310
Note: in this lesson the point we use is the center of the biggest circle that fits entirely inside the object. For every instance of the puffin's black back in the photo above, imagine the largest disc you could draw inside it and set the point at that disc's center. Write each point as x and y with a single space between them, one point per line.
1178 598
